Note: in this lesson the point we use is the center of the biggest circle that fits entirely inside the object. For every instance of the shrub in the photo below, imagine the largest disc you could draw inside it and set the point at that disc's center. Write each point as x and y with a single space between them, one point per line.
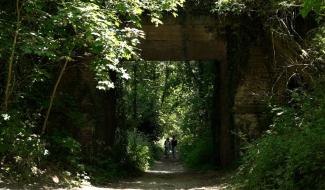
156 151
131 155
21 151
291 155
65 151
138 151
198 153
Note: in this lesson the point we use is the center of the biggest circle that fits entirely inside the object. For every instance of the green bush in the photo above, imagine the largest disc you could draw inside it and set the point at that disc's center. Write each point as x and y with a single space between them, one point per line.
198 153
104 169
291 155
138 151
65 151
156 151
131 155
21 151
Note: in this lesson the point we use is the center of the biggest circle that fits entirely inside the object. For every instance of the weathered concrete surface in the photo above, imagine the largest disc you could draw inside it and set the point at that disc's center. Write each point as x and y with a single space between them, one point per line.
253 93
88 113
183 38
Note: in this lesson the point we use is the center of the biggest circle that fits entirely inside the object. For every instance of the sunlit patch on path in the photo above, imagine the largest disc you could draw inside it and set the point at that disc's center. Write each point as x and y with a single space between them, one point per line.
166 167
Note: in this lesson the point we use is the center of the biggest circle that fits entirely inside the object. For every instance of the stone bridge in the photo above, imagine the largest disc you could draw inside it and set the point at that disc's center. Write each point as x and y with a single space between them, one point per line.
240 102
244 77
184 38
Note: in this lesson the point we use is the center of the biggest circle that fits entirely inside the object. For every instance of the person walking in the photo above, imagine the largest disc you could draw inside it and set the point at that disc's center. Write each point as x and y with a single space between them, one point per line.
174 144
167 147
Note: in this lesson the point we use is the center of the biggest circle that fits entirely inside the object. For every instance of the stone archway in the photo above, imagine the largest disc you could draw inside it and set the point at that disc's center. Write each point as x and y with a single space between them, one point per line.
197 38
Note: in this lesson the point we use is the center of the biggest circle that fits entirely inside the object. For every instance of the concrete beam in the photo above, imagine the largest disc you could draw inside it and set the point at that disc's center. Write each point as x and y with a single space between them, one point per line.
183 38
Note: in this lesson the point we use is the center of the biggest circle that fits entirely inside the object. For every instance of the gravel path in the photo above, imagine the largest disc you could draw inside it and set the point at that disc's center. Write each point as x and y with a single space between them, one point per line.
168 174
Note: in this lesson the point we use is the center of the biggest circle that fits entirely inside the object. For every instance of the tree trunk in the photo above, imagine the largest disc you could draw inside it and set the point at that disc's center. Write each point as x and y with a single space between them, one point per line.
166 86
11 59
135 90
54 93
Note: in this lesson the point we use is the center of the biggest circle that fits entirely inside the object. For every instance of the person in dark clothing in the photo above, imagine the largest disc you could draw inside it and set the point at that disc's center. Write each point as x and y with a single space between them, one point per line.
167 147
174 144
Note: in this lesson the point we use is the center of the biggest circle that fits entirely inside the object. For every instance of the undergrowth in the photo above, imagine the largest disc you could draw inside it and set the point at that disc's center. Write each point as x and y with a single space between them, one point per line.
197 153
128 158
291 154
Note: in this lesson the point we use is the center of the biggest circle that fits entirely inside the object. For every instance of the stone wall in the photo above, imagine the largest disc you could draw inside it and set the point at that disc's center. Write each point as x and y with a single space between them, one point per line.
252 94
84 111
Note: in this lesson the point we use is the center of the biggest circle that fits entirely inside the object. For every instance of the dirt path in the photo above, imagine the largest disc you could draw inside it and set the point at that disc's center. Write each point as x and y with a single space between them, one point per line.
169 174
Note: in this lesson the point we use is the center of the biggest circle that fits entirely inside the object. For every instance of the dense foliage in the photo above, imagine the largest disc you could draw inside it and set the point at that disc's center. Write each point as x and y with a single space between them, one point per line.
291 153
21 150
138 150
41 38
173 98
